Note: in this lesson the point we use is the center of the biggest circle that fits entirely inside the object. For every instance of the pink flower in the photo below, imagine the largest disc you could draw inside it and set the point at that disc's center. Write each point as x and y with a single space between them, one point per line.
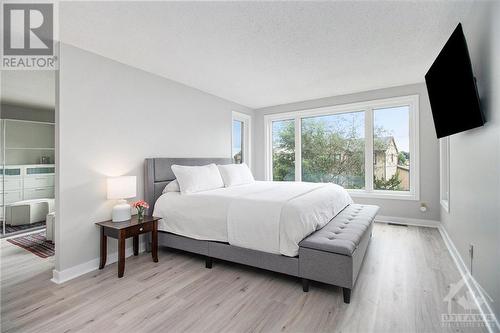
140 203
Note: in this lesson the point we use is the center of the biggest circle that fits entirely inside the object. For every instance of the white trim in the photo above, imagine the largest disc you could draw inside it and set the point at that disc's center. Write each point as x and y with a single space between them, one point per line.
31 121
474 287
89 266
408 221
57 161
29 148
415 147
298 149
268 153
412 101
247 136
268 142
444 173
382 194
368 156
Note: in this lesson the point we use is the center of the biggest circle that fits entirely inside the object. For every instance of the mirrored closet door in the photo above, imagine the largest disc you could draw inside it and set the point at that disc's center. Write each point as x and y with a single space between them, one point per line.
27 187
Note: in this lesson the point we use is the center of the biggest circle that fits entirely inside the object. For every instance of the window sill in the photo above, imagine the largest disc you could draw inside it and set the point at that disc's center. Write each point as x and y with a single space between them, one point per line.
394 195
446 205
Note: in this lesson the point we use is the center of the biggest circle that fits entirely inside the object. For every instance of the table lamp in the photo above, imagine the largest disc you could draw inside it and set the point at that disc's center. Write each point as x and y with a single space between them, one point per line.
121 188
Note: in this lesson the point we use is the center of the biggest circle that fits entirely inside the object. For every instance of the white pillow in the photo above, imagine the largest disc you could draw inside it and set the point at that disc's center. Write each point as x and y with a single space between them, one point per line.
173 186
197 178
236 174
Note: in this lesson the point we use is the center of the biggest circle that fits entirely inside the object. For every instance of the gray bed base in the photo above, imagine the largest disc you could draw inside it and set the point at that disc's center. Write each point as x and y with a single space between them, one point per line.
311 264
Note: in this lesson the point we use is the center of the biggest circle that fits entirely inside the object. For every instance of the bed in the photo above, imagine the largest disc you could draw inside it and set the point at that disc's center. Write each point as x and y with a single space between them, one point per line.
270 225
272 217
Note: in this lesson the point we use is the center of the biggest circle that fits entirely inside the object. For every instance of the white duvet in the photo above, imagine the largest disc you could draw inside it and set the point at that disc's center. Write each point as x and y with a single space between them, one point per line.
265 216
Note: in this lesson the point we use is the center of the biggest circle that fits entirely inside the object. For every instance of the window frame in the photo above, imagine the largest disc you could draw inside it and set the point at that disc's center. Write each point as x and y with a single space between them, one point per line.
412 101
444 173
269 143
246 120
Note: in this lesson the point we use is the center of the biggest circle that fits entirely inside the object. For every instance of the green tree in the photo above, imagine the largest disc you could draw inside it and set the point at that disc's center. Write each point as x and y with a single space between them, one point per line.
284 152
392 183
404 158
331 152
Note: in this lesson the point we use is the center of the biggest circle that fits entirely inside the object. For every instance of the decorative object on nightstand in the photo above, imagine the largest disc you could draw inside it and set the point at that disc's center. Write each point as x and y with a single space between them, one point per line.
121 188
141 207
123 230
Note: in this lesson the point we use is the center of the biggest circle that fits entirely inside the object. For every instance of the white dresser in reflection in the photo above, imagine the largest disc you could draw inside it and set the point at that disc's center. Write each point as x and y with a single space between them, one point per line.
25 182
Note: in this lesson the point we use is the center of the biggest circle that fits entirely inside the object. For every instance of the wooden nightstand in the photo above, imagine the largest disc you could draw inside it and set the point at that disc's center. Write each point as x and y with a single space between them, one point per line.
123 230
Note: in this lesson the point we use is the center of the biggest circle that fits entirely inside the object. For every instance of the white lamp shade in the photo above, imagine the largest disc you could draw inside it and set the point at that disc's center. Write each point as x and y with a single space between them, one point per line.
122 187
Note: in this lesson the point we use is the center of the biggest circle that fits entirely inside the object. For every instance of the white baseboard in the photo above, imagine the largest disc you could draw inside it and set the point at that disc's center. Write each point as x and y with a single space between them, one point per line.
408 221
89 266
481 300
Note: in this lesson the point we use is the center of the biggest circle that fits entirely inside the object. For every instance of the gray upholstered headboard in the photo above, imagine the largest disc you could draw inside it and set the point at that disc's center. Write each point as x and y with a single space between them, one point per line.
158 173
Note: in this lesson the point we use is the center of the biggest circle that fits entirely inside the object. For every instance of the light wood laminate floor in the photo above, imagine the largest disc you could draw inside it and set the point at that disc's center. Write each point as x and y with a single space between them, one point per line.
401 287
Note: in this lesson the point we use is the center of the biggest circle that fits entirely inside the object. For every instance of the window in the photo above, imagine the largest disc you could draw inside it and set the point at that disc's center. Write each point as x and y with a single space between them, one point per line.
391 138
333 149
240 147
369 148
238 141
444 172
283 150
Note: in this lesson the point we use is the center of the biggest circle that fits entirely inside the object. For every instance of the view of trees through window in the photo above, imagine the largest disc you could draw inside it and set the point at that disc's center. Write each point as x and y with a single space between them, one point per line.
283 150
391 156
238 132
333 149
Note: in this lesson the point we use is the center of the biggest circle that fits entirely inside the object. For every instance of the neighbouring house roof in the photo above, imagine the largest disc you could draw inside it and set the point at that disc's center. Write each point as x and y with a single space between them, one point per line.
383 143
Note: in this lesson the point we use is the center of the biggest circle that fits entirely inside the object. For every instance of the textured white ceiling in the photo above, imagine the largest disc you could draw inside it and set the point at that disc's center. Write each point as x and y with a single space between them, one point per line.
267 53
28 88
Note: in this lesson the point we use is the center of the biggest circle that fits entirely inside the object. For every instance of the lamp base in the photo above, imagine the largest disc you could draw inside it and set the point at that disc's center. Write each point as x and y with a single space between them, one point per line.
121 212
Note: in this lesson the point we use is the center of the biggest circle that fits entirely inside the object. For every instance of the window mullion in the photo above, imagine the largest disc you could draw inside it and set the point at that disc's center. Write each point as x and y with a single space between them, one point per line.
269 150
369 149
298 149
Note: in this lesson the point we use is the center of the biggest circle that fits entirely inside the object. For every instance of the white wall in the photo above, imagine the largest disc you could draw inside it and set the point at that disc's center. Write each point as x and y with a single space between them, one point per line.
474 216
429 149
110 117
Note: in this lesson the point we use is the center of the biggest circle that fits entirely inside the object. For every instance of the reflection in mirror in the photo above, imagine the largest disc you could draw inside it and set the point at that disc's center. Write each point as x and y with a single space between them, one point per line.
27 188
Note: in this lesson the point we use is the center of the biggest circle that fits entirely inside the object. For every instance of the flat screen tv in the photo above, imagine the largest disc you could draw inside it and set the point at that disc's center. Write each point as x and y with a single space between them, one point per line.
452 88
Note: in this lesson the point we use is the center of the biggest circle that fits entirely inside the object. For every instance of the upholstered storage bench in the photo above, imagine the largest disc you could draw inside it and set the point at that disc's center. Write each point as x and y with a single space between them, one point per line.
334 254
28 211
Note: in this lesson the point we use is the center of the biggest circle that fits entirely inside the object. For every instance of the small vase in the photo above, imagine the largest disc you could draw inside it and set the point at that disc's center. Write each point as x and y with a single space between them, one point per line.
140 214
